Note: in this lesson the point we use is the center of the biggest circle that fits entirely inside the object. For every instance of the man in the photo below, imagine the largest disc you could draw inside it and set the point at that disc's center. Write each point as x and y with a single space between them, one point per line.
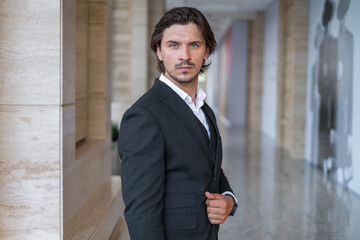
172 182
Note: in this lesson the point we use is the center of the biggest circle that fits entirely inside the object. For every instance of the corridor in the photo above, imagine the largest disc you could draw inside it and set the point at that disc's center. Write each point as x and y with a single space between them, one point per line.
282 198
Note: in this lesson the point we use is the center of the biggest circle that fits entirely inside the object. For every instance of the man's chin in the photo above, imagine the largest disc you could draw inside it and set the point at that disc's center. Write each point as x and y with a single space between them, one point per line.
185 78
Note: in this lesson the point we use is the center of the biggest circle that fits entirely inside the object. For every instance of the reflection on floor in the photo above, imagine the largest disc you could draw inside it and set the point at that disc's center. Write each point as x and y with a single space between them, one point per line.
282 198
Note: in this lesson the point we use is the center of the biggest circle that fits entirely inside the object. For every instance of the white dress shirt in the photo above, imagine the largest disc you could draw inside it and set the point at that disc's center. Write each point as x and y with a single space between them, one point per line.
199 100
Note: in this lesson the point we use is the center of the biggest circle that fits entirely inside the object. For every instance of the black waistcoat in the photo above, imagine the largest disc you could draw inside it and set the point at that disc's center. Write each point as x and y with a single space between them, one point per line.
212 141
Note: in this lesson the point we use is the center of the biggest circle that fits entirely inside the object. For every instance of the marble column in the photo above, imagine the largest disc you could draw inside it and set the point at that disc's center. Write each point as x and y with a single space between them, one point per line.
36 102
134 64
255 69
156 11
121 74
51 187
293 37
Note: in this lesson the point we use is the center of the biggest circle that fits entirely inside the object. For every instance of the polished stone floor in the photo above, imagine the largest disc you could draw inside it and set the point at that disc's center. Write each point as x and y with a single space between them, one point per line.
282 198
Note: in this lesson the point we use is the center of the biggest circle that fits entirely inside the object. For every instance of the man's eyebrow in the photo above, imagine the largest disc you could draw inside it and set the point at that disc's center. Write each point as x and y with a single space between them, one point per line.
197 42
192 42
171 41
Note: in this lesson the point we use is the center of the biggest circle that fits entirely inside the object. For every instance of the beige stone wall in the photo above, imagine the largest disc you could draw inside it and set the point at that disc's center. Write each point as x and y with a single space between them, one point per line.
134 65
139 47
30 119
255 72
51 187
121 74
156 11
81 93
292 50
293 27
92 199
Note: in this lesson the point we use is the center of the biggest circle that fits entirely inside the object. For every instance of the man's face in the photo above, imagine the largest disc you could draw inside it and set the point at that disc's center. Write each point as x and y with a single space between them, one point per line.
182 51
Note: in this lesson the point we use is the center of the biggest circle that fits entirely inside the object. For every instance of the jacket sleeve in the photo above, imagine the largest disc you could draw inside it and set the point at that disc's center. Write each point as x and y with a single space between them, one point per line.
224 185
141 149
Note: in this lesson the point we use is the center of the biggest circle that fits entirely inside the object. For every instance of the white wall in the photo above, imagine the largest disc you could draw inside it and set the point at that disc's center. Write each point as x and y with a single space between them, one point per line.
353 19
269 98
236 99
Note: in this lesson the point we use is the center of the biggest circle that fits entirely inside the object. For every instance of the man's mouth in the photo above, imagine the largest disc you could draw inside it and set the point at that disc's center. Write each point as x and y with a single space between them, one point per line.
185 65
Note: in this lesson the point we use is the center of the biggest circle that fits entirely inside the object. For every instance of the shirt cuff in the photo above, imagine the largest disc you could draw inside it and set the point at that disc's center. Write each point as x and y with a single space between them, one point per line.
231 194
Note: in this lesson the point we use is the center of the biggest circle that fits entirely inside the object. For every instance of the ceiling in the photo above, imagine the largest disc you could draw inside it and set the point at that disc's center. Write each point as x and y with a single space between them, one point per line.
220 13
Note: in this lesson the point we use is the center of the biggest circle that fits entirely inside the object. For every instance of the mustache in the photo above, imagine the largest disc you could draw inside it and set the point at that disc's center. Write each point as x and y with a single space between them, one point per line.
184 63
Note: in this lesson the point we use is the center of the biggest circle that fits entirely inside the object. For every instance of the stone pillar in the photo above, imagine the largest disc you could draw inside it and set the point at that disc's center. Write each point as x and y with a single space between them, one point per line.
36 103
156 11
51 185
139 48
121 74
134 63
255 69
293 30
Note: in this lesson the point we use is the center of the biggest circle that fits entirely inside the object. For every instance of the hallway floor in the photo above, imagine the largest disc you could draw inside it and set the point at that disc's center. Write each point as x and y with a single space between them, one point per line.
282 198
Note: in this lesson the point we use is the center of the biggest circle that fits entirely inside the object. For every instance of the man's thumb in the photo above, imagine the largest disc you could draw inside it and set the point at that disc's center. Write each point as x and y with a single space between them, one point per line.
210 195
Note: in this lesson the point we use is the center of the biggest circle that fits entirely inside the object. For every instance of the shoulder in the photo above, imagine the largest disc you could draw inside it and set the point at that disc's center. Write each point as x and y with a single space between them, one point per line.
148 106
147 101
153 100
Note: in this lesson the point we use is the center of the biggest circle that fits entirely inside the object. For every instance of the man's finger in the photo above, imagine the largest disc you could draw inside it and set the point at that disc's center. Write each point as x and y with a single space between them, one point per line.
217 211
212 195
218 203
215 222
215 219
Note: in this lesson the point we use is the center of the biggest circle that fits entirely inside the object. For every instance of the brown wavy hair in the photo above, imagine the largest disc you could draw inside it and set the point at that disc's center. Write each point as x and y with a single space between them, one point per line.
183 16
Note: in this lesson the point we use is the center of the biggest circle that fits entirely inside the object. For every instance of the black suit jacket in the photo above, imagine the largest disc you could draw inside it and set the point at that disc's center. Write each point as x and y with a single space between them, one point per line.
167 167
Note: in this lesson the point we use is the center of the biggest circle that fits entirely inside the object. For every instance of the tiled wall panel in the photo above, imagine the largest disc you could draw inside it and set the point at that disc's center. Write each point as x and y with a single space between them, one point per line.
29 52
29 171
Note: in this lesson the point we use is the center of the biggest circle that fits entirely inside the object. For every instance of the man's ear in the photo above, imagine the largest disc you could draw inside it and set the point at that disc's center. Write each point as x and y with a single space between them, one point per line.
207 54
158 52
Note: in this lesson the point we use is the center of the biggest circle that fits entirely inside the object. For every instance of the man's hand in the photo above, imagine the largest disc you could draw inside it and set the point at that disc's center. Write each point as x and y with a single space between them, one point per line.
218 207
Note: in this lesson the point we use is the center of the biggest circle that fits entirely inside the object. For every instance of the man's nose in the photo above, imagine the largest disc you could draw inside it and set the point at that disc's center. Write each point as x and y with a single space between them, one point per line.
185 54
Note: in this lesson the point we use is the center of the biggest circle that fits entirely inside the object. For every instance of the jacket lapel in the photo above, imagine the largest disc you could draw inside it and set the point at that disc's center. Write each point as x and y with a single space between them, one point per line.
186 116
218 154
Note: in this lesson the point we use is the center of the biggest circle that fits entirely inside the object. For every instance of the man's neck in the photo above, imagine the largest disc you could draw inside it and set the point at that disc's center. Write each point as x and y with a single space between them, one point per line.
189 87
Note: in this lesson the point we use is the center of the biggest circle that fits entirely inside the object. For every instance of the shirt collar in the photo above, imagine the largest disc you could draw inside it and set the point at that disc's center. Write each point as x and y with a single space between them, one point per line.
200 94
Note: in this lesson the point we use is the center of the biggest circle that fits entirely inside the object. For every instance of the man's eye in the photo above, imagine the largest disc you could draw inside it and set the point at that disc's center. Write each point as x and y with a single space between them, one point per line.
194 45
173 46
